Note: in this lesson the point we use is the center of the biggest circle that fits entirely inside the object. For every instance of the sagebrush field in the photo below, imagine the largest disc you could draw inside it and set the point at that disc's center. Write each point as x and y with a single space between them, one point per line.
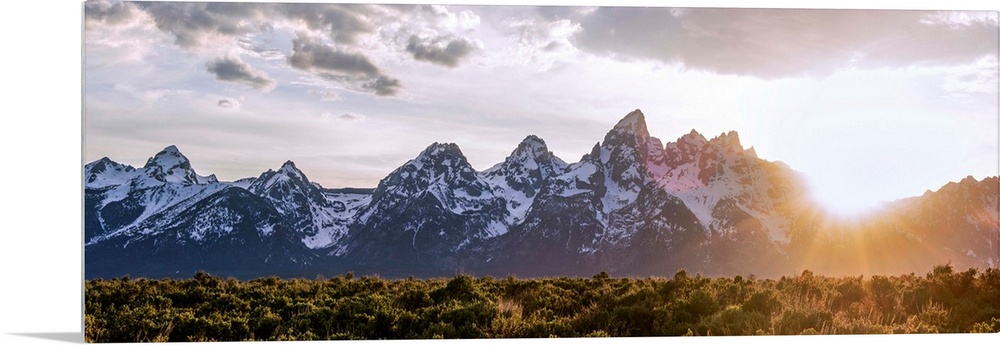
208 308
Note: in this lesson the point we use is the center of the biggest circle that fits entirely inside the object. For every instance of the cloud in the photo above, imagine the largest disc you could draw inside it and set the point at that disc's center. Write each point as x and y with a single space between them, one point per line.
342 23
351 117
440 17
310 56
774 43
228 103
383 86
325 95
542 34
344 67
435 51
198 25
542 43
234 70
978 78
110 13
150 94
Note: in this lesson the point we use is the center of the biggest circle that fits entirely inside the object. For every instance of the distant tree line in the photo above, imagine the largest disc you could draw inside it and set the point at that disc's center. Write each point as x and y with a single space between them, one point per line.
208 308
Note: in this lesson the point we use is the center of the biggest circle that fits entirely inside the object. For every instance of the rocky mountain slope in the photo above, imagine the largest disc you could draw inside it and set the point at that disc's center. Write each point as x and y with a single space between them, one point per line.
632 206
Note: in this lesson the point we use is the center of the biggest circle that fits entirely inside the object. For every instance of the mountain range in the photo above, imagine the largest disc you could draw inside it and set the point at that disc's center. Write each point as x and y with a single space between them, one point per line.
631 206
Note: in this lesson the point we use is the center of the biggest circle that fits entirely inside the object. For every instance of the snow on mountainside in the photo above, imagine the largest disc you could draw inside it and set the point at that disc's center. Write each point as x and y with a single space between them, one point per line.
123 198
630 158
124 201
426 213
440 170
605 212
170 166
615 170
520 176
105 172
320 220
704 173
632 205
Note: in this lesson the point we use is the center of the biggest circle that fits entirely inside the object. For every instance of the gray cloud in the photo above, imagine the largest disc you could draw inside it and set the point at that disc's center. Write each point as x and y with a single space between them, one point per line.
343 23
109 13
196 24
774 43
383 86
234 70
334 54
316 57
432 51
343 67
227 103
351 117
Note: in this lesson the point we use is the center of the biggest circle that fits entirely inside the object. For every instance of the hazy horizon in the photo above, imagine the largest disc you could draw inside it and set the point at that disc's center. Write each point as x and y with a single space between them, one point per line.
870 106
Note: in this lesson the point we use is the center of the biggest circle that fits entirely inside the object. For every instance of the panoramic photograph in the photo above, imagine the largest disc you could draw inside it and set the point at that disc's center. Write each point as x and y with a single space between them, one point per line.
323 171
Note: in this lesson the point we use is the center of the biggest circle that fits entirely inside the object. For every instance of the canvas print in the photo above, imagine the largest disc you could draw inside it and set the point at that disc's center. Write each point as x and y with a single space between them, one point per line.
314 171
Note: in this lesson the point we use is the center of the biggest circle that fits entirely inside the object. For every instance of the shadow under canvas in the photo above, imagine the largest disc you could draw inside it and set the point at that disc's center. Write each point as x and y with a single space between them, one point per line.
68 337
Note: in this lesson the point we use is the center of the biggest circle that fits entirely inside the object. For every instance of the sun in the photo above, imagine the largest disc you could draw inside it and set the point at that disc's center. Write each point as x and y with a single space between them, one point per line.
845 200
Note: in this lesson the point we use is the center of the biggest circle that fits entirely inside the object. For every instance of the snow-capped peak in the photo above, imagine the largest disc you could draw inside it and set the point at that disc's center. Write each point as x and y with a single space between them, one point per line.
106 172
532 153
729 141
634 122
168 158
287 176
169 165
438 163
289 169
533 143
692 139
520 176
440 151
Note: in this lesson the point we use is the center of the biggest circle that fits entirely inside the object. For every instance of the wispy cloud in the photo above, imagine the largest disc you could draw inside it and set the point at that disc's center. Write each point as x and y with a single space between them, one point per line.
228 103
351 117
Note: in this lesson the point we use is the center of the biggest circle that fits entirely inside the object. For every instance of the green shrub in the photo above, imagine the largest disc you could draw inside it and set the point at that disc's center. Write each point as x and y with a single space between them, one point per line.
208 308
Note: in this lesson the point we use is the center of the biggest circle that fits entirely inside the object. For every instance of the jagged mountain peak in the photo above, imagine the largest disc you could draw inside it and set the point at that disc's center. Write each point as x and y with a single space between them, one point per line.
533 143
439 160
969 180
443 162
104 172
105 164
534 148
520 176
692 140
633 118
289 169
287 173
168 158
441 150
634 123
170 165
693 144
730 141
968 183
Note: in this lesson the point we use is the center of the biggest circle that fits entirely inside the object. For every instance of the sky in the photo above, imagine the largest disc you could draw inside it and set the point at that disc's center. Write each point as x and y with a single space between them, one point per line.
42 143
868 105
